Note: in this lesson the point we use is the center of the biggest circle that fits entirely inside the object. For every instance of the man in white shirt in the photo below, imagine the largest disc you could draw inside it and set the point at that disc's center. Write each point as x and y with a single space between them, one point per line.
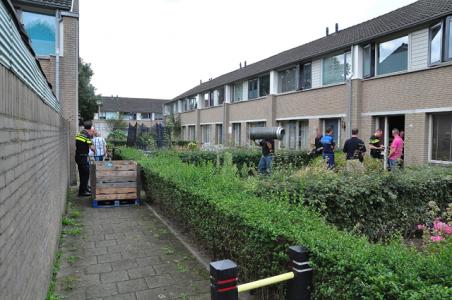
101 146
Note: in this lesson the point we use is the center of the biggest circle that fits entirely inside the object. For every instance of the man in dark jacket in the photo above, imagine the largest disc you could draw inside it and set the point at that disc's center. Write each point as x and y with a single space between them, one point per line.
265 163
354 148
83 144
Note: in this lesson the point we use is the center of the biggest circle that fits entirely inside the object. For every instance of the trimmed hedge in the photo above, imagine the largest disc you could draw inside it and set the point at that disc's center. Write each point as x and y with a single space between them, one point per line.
240 157
233 223
377 204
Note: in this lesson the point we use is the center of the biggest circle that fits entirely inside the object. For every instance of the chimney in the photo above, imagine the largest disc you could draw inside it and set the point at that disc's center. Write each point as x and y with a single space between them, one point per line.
240 65
327 31
245 63
200 81
337 27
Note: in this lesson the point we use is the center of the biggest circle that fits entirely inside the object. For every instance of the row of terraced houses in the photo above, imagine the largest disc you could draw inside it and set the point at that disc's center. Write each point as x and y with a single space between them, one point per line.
394 71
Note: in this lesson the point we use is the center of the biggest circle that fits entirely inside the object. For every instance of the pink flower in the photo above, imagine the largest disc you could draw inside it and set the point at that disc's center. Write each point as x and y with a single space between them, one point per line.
420 226
438 225
436 238
447 229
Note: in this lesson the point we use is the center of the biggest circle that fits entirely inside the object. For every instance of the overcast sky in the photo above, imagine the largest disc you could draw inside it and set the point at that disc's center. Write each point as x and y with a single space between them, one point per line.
161 48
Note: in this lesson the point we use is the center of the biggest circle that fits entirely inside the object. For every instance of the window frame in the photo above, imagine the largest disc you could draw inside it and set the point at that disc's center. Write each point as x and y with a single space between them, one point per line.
259 85
296 79
234 89
372 60
442 46
56 28
344 71
377 55
447 39
302 76
256 79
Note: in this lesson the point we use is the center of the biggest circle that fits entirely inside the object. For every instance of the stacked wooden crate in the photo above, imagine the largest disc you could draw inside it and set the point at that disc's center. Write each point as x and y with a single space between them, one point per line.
115 183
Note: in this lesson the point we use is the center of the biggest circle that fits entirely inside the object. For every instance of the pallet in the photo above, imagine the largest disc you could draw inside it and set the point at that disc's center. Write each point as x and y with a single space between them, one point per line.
115 183
114 203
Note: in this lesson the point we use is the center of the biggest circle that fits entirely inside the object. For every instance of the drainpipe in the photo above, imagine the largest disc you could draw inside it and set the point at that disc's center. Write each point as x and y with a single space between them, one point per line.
57 58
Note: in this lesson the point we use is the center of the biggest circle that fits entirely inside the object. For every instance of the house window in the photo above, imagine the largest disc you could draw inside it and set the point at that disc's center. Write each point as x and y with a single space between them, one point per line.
296 136
191 133
368 61
442 137
237 94
206 132
449 38
102 116
185 105
192 103
287 80
206 100
393 56
184 133
306 76
253 88
337 68
303 134
146 116
236 134
219 134
158 116
42 31
264 85
220 93
435 46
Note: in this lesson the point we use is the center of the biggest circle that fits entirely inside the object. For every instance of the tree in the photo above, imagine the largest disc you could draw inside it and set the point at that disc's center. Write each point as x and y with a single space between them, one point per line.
86 92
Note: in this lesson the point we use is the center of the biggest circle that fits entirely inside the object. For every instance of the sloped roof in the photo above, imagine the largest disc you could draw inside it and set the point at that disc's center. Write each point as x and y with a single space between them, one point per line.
409 16
60 4
122 104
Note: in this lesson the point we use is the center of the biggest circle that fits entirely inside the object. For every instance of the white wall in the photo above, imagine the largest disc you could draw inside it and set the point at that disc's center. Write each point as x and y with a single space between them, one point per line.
418 53
316 73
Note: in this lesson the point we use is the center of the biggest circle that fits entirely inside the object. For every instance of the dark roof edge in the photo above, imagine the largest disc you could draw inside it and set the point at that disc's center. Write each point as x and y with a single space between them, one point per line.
135 98
44 5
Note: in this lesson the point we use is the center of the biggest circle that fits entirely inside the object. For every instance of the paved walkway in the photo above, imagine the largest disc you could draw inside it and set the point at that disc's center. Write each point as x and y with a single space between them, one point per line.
126 253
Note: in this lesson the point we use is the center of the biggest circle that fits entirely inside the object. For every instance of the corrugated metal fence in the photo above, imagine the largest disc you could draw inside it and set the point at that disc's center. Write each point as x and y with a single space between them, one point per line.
15 56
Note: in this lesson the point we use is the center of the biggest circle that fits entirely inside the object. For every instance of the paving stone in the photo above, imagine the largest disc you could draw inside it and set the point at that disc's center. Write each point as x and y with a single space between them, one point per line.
132 285
110 257
99 268
124 264
101 290
125 255
159 281
141 272
114 276
149 261
123 297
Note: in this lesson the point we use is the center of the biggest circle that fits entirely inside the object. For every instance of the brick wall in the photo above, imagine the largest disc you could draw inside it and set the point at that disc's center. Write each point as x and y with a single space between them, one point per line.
33 185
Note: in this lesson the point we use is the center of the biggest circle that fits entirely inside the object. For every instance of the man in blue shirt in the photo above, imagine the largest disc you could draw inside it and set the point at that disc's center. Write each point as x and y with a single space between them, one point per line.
328 147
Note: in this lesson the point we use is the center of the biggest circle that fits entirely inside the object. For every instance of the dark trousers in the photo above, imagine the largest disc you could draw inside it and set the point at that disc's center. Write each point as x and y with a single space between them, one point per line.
83 172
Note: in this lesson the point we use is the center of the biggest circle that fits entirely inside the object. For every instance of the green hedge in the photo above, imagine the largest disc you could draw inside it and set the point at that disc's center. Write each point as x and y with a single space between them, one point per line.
233 223
250 157
377 204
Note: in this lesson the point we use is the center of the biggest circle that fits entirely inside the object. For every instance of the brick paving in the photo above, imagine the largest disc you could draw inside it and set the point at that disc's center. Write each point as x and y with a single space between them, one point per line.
127 253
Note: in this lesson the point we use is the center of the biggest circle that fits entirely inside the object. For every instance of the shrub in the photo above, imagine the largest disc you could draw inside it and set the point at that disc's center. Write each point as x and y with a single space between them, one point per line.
233 223
378 204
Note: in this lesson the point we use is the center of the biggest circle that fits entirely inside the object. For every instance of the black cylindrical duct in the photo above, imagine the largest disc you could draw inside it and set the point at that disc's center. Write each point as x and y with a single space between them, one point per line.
259 133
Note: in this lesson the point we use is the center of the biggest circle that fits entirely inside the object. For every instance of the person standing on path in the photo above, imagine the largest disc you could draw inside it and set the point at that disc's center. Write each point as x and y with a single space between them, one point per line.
83 144
376 144
328 145
100 145
265 163
396 150
354 148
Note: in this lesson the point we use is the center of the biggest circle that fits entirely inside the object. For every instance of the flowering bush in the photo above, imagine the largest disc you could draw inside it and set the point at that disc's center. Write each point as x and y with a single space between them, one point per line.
437 230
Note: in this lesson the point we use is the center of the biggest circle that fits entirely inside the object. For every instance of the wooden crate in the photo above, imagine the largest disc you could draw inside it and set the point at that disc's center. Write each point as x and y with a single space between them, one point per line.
114 183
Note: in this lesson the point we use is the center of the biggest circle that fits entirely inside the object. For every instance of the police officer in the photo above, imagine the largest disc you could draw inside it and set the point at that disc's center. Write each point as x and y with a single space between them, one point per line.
82 145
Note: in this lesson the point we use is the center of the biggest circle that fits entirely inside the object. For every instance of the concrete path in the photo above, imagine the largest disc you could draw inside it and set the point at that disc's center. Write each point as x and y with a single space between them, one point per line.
125 253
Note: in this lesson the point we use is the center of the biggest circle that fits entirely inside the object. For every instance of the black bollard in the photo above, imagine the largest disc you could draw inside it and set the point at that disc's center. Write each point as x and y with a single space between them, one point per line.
223 280
299 288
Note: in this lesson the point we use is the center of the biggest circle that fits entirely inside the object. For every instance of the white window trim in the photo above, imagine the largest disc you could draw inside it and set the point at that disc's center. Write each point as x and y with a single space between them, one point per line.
430 144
